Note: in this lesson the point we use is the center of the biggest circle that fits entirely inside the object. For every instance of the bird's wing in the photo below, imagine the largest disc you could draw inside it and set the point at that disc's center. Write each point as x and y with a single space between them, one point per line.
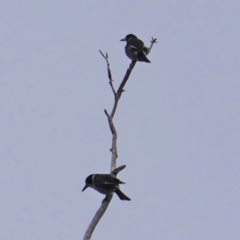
104 180
133 50
119 181
136 44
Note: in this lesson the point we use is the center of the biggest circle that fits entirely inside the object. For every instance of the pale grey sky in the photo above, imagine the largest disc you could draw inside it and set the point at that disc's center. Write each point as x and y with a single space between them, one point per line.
178 121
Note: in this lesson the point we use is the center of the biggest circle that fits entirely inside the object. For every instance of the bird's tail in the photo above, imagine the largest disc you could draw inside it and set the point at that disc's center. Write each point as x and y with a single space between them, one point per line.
121 195
142 58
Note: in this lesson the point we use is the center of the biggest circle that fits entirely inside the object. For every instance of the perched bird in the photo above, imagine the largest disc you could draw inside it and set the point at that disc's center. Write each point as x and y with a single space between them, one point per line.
105 184
135 48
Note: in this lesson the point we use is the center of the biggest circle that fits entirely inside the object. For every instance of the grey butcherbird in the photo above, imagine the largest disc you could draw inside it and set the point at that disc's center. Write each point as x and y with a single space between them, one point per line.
105 184
135 48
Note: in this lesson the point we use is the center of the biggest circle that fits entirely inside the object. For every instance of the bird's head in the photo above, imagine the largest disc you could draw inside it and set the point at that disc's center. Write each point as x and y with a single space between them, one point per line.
88 181
128 37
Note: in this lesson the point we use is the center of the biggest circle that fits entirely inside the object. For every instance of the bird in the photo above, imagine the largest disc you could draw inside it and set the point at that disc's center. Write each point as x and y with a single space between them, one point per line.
105 184
135 48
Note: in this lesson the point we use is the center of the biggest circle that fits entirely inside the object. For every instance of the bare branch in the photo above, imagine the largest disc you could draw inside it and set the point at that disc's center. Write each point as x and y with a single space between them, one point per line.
124 81
114 170
117 170
114 141
111 84
109 72
97 217
154 40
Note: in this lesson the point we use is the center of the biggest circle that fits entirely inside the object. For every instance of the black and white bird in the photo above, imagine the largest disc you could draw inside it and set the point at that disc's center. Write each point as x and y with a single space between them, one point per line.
135 48
105 184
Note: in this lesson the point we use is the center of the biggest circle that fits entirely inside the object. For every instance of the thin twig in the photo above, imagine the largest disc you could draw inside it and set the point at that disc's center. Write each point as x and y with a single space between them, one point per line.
109 72
111 84
154 40
124 81
117 170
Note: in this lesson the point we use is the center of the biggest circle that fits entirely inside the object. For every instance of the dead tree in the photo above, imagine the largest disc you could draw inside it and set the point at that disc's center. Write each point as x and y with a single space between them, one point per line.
114 171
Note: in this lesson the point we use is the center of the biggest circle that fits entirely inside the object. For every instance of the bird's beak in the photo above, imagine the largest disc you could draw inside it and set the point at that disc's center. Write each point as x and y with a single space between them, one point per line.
86 186
124 39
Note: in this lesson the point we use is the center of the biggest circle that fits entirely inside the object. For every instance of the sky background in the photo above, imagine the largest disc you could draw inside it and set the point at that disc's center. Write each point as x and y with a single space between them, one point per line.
178 121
